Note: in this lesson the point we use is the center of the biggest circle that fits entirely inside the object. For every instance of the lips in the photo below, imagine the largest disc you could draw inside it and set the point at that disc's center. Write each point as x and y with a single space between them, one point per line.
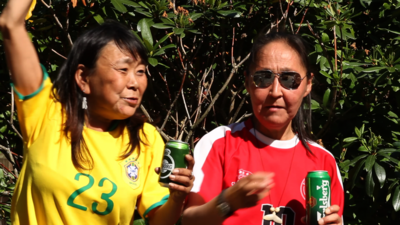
131 100
274 106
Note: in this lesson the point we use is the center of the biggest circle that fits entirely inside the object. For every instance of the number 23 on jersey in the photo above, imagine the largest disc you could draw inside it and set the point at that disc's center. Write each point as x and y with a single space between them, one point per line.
105 196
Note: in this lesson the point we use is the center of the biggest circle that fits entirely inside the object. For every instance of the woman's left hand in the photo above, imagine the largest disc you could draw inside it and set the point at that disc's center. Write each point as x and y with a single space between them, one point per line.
331 216
185 178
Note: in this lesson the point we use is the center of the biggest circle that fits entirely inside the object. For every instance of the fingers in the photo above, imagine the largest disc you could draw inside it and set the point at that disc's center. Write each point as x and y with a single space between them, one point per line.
332 216
332 209
249 190
157 170
190 161
185 180
259 184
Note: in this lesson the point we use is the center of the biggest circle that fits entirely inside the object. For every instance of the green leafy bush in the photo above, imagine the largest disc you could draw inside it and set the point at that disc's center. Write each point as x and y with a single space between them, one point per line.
198 51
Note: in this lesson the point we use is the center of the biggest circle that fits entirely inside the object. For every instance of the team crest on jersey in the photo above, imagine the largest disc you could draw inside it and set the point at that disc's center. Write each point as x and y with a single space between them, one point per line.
131 169
241 173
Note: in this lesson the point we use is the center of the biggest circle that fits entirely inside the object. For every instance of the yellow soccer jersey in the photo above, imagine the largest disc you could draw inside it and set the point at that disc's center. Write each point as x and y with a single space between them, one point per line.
51 191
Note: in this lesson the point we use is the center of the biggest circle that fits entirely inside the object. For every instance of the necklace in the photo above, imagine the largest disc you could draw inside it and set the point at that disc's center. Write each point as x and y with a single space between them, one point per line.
272 216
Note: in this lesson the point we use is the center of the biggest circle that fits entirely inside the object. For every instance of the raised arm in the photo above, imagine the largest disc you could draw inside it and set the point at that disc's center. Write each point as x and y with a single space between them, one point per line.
22 59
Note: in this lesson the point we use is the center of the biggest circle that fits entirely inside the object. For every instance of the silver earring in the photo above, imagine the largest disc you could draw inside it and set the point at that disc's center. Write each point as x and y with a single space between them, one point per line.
84 103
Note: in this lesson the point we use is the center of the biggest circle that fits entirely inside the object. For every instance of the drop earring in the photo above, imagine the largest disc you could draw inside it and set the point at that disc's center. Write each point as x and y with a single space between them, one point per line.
84 103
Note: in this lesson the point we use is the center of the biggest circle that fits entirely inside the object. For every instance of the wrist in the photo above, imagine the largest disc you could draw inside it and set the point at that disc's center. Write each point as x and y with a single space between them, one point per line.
224 207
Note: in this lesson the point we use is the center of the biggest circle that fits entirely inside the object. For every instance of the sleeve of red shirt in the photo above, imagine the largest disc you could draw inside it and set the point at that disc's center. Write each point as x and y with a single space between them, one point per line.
337 191
208 169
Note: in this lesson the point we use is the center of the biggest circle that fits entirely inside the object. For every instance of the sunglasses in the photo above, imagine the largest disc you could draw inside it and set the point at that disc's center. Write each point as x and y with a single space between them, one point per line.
288 79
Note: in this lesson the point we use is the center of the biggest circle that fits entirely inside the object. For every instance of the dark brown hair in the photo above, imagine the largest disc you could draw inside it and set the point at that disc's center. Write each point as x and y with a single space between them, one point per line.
86 50
301 123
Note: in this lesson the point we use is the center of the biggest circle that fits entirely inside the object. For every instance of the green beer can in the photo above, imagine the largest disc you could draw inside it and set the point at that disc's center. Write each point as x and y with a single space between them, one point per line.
174 157
318 195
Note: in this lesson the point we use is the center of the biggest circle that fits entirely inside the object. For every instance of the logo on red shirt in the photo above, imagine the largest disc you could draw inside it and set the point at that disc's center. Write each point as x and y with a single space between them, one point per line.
303 188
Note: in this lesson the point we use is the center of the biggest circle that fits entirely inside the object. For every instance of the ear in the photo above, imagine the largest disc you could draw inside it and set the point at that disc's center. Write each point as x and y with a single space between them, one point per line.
82 78
309 85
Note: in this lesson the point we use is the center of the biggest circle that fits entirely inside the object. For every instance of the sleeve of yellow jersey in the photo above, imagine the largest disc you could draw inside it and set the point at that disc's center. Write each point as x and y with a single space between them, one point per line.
154 194
32 108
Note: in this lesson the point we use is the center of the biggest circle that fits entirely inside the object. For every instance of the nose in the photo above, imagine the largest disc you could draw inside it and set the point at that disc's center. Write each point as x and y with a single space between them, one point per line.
133 82
276 88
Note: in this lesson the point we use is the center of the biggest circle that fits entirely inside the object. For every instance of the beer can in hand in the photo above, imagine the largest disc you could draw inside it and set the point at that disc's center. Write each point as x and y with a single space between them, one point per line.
174 157
318 195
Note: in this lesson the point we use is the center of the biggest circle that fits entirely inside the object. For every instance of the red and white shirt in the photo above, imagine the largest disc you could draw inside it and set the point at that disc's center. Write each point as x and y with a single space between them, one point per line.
229 153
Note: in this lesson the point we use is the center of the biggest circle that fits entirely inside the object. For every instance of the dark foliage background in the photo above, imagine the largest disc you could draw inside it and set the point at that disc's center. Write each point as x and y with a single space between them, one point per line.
198 50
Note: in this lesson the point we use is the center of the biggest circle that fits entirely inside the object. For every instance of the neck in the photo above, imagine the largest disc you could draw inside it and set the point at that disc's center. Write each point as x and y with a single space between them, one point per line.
278 133
97 123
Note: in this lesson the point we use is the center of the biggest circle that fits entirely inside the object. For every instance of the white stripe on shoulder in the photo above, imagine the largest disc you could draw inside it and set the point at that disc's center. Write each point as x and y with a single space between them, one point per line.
203 148
324 149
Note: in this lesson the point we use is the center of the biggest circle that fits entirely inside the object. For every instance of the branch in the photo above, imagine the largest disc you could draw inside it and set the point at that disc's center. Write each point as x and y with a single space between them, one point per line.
176 98
238 109
243 117
12 115
187 111
301 22
165 136
59 54
59 23
233 71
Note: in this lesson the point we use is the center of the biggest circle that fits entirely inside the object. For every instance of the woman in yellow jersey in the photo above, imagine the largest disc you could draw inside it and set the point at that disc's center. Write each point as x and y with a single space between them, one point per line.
88 157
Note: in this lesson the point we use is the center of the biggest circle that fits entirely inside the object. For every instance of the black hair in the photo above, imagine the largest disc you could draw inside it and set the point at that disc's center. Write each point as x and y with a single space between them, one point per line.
301 123
86 50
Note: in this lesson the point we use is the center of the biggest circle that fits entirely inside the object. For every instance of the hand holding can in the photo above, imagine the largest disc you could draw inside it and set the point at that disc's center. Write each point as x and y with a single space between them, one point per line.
318 195
174 157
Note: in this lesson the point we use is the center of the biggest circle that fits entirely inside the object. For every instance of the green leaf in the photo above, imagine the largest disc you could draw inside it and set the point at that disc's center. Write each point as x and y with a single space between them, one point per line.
325 74
362 129
350 139
396 199
358 133
144 25
388 150
369 184
326 98
178 31
380 173
373 69
388 157
353 175
355 64
370 163
130 3
3 128
230 13
119 6
390 31
356 159
362 148
314 104
168 46
99 19
143 12
392 114
324 37
153 62
162 26
195 16
161 40
396 144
